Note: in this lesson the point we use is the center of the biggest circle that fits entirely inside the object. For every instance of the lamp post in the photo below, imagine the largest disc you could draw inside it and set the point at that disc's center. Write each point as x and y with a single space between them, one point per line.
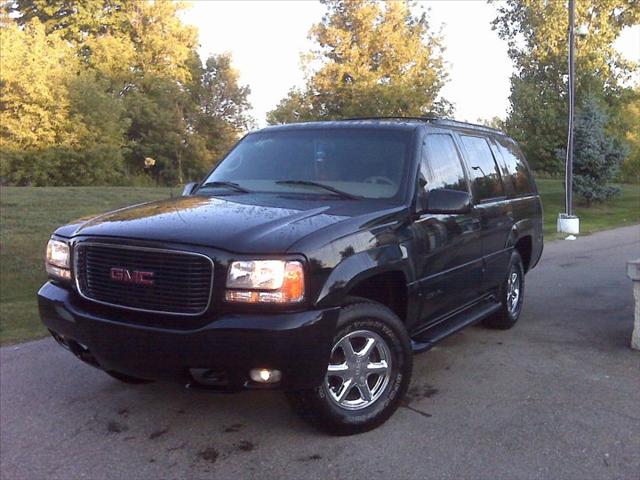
568 222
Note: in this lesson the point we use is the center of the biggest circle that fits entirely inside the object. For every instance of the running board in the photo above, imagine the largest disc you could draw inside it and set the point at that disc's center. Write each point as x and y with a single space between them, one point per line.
428 338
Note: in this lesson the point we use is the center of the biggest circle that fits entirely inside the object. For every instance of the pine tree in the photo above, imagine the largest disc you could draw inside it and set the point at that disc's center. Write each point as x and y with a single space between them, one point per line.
597 156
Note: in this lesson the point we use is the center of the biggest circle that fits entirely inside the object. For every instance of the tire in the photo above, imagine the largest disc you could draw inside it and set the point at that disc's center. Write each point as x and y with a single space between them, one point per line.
510 308
379 376
127 379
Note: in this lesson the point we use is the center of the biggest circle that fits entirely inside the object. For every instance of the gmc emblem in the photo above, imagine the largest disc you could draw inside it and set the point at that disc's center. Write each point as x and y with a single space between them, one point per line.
127 276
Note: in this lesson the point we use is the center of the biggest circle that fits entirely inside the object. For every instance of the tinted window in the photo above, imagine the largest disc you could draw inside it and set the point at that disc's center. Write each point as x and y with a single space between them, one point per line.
483 169
442 167
366 162
516 167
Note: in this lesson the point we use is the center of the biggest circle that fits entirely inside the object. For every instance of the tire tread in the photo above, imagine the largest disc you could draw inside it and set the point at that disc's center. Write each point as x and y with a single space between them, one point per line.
306 404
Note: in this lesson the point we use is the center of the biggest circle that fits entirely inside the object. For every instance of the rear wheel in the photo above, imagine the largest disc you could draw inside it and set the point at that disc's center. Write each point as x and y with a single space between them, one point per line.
368 373
511 296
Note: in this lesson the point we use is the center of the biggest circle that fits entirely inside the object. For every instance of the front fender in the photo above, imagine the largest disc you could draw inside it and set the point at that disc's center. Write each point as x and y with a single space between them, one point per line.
358 267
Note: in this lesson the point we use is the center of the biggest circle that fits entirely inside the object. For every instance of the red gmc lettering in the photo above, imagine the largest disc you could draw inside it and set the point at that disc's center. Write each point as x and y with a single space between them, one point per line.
126 276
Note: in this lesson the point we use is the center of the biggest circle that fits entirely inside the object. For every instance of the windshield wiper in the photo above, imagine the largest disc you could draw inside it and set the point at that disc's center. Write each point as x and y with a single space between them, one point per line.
329 188
231 185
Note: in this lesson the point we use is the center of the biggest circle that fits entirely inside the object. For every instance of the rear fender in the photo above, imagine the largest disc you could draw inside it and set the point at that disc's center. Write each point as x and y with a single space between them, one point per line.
520 229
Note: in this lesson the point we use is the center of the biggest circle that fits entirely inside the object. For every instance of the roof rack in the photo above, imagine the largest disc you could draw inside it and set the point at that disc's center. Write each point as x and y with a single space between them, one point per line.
436 121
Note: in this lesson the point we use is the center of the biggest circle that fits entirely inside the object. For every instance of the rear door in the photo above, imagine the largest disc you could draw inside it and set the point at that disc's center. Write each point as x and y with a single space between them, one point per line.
492 206
522 192
449 259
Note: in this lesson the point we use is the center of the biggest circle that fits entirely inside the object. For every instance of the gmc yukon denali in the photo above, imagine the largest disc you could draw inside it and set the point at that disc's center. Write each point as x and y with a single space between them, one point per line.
315 258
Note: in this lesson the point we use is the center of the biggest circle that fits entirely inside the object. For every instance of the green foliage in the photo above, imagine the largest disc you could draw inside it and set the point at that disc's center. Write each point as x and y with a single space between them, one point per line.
35 76
628 120
90 89
372 58
536 32
223 103
57 123
75 20
597 156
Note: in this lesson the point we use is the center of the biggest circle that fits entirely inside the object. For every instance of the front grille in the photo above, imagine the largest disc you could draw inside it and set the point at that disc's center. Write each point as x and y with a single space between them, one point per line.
181 281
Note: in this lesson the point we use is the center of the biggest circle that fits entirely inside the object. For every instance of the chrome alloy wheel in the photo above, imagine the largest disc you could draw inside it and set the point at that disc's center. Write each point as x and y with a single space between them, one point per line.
359 370
513 291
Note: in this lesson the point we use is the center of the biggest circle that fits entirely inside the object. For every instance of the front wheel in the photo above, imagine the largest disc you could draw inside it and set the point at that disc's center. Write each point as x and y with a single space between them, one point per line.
511 296
368 373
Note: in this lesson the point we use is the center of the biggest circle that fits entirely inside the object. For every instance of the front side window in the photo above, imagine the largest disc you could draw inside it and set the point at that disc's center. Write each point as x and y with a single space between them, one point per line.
442 167
484 172
367 163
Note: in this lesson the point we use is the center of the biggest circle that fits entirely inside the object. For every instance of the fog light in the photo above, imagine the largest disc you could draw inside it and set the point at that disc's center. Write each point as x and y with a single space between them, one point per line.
265 375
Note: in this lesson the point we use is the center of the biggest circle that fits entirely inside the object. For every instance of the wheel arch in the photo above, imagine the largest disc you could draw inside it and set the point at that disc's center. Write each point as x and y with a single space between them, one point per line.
521 239
370 275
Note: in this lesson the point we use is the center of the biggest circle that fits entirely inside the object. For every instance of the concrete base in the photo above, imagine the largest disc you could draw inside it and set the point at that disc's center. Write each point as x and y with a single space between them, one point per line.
568 224
633 272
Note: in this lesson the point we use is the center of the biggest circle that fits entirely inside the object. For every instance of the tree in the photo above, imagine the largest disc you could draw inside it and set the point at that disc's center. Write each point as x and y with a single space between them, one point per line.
631 166
187 128
295 107
627 120
372 58
536 32
91 88
597 156
223 104
493 122
72 20
57 123
180 113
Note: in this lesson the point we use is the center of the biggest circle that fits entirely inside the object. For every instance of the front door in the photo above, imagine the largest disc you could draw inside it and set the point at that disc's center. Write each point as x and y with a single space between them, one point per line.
449 252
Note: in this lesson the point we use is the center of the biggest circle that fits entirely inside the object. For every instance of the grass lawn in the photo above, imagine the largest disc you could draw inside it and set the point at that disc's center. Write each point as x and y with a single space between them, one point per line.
29 215
622 210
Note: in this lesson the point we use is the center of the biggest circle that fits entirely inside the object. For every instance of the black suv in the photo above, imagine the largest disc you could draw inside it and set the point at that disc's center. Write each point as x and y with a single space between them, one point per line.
316 258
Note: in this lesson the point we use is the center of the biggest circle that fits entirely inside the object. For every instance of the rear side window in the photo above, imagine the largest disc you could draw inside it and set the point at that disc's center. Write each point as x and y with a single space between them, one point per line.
516 167
442 167
484 171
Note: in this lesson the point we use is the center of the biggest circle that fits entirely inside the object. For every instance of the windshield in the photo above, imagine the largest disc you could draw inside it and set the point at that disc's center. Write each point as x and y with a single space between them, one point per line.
367 163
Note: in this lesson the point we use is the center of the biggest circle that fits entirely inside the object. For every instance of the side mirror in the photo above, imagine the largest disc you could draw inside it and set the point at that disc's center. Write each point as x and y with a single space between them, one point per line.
189 188
445 201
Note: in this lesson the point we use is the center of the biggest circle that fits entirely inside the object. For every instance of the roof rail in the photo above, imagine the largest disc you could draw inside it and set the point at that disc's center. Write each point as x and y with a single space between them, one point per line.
390 117
458 123
435 120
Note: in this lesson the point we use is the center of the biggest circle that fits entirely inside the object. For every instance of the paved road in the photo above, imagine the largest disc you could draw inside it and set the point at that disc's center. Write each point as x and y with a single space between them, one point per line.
556 397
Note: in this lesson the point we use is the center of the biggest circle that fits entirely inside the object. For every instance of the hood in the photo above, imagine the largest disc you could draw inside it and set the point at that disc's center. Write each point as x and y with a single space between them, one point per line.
240 223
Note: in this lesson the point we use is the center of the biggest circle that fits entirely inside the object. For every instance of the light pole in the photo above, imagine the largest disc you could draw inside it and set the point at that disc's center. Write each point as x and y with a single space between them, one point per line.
568 222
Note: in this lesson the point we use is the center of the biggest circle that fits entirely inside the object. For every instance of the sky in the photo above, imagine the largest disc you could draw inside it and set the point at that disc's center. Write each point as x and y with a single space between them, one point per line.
266 38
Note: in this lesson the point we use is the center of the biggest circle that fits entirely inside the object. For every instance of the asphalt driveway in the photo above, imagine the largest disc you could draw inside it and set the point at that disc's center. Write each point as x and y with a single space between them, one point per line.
558 396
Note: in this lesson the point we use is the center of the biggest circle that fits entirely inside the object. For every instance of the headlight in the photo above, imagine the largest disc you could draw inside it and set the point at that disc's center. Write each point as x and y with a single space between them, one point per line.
58 263
265 281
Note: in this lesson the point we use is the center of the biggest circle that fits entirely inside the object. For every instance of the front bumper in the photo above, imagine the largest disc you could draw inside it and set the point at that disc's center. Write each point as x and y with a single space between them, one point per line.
298 344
